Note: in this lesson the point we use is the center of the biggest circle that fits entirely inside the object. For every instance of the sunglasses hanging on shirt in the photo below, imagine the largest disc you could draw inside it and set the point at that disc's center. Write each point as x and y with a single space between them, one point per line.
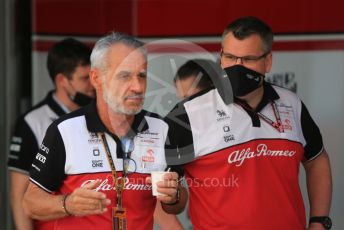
119 220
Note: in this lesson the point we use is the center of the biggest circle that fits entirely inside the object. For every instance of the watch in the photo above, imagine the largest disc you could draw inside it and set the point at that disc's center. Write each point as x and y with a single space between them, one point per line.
177 198
324 220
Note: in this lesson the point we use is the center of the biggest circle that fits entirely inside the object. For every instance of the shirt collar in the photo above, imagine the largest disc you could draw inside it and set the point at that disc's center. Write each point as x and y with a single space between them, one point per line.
54 105
269 95
61 105
94 124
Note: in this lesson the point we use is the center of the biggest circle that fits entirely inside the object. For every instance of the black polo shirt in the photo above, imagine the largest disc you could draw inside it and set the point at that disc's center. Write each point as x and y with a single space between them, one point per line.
29 132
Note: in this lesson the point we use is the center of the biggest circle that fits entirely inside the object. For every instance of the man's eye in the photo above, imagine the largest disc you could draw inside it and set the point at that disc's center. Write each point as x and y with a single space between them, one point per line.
143 75
231 57
248 58
86 78
123 76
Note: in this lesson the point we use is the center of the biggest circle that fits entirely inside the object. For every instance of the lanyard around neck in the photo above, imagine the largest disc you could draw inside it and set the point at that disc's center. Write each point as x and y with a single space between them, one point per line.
118 183
275 124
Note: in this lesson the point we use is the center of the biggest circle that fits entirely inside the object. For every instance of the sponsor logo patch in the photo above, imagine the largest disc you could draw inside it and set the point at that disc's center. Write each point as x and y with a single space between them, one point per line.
221 115
238 157
15 147
17 139
94 139
97 163
229 138
226 129
41 158
106 185
44 148
287 124
149 156
96 152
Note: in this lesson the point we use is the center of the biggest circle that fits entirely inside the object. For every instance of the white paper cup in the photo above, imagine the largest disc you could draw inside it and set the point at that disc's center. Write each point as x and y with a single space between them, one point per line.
156 177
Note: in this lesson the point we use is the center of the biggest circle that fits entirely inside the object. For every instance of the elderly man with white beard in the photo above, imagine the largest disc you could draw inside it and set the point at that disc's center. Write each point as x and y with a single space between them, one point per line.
91 171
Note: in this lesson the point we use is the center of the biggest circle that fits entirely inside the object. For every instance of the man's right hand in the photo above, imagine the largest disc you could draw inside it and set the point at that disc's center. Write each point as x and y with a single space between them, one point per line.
86 201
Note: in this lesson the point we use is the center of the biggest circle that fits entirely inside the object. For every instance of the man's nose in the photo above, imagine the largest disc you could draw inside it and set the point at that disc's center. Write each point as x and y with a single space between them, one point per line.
137 84
239 61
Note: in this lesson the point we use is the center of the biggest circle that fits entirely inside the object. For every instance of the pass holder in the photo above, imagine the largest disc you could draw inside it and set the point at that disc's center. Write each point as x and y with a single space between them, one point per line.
119 214
119 220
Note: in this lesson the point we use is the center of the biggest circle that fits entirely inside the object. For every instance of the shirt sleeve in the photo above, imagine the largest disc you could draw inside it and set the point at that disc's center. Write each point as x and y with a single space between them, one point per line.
23 147
311 132
47 170
179 147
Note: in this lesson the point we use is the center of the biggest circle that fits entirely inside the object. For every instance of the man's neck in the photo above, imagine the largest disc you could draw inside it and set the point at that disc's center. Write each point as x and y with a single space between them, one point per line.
118 124
254 98
66 100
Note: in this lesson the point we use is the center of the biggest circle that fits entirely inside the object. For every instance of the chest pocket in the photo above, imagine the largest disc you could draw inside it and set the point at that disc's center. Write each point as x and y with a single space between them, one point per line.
289 124
149 153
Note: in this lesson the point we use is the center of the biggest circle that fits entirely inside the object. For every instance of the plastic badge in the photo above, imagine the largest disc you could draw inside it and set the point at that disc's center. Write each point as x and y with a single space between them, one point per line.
119 220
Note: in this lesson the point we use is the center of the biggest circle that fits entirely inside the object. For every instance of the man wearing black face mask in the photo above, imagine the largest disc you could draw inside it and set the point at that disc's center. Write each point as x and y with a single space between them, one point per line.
68 65
242 159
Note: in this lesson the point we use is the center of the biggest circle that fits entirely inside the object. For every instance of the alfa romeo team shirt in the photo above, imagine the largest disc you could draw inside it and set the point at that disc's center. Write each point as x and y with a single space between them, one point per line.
72 155
241 171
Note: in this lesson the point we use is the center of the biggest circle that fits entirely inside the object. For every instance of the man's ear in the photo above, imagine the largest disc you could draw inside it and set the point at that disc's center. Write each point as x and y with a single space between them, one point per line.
61 80
268 63
95 78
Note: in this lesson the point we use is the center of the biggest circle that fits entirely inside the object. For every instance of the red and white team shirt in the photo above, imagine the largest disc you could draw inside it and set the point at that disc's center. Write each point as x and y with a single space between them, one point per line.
72 155
242 172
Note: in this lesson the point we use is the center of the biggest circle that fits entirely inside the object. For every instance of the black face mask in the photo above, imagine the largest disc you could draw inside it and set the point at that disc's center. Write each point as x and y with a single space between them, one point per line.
82 99
243 80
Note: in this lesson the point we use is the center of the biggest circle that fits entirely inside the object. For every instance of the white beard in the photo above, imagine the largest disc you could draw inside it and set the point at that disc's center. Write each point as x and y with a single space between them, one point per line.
114 105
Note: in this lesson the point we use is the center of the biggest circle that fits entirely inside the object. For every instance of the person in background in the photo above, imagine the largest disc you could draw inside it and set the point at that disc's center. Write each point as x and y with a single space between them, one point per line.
192 77
242 158
93 168
68 65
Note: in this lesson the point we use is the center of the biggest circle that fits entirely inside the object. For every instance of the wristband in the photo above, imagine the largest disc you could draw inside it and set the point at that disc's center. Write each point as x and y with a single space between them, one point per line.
64 198
324 220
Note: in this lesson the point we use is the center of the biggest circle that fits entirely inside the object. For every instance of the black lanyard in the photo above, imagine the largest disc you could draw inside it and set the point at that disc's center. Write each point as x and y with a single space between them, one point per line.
277 124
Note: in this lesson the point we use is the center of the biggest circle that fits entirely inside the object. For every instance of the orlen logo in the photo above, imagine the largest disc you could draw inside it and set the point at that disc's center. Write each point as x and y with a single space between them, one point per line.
149 157
287 124
150 152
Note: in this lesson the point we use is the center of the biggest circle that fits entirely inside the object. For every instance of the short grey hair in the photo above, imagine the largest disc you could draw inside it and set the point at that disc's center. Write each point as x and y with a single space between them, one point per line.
102 46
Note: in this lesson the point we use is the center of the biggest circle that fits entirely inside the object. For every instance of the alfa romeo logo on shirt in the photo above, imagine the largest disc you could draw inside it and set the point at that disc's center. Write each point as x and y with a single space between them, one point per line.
239 156
221 115
94 139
